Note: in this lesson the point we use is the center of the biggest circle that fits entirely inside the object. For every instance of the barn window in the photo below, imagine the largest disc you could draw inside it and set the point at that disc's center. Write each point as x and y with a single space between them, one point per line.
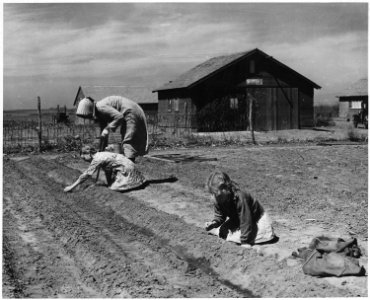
176 104
169 106
355 104
234 103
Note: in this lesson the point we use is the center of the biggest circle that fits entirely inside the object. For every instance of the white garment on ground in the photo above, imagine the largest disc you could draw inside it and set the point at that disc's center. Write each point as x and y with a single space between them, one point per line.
125 175
265 231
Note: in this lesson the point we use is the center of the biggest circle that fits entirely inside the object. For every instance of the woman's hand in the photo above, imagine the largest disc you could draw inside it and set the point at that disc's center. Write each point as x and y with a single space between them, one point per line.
68 189
105 132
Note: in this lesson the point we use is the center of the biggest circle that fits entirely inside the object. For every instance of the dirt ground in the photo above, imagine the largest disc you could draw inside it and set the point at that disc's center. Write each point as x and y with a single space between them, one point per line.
151 243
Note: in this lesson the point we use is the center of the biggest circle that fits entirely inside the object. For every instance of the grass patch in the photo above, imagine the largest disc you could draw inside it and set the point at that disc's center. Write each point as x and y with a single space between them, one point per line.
355 136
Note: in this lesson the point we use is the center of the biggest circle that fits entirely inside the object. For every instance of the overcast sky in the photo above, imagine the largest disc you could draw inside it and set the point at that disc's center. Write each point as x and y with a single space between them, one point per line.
51 49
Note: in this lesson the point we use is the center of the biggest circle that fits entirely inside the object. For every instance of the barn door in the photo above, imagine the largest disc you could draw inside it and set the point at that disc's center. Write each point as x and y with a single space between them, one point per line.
263 112
284 104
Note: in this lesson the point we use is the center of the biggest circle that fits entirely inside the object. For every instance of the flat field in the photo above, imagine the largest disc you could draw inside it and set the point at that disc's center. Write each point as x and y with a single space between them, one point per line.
151 242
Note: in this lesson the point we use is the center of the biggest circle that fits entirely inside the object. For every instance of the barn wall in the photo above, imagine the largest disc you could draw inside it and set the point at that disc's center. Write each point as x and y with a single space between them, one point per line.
275 108
176 111
287 108
347 112
150 109
343 109
303 114
233 79
306 108
285 99
224 113
263 109
352 112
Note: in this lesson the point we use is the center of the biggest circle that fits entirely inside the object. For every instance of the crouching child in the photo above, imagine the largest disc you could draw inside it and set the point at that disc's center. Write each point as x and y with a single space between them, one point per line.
121 172
238 217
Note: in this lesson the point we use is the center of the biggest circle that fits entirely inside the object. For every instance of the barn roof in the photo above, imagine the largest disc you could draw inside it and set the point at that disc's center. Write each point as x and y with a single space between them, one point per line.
216 64
139 94
358 88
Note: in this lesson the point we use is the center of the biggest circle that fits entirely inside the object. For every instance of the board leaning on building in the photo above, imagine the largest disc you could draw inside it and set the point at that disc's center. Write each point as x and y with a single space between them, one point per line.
216 95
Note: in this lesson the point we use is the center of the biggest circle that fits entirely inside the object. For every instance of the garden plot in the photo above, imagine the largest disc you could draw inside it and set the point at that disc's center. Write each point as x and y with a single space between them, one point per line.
151 243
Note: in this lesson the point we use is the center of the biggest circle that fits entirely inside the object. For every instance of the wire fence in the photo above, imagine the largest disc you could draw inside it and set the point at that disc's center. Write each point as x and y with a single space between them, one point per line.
23 135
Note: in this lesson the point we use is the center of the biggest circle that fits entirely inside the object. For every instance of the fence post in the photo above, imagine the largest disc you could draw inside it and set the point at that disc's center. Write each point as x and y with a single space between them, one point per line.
251 115
40 122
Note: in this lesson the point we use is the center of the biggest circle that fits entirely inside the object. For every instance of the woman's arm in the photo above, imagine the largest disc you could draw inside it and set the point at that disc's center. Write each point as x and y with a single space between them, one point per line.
112 114
80 180
85 175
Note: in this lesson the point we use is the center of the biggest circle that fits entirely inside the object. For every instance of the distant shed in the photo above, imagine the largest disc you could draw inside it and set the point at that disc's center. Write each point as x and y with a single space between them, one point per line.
353 99
215 95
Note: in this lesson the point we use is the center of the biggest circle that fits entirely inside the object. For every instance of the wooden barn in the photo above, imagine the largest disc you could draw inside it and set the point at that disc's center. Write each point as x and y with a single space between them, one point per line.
353 99
216 95
141 95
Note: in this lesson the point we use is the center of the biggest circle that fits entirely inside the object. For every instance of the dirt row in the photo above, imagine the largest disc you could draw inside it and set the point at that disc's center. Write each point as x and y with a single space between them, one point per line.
296 183
98 243
92 250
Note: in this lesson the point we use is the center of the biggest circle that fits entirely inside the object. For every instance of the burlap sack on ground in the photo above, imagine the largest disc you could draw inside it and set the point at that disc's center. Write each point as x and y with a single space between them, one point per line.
331 264
327 256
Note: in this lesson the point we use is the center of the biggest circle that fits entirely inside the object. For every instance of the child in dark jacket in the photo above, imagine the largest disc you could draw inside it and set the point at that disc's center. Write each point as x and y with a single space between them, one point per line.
238 217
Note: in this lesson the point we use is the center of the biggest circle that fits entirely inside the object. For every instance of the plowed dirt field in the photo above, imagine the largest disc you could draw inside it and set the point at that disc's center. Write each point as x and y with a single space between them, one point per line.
150 242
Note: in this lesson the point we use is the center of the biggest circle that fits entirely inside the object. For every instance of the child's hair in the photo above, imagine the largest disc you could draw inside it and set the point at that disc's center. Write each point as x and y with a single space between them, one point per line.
220 181
87 150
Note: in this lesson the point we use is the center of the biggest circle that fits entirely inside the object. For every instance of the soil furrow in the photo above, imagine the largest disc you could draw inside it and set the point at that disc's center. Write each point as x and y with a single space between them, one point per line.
102 234
40 267
12 285
230 262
